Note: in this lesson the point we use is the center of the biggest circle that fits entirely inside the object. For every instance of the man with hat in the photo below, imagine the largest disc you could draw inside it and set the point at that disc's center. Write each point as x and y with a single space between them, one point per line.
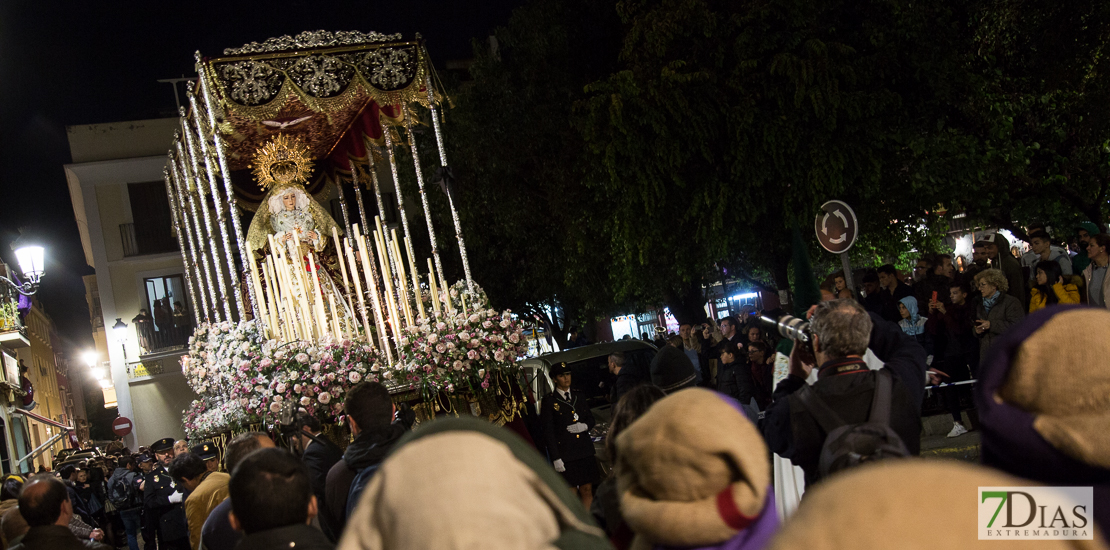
163 513
208 452
566 421
207 488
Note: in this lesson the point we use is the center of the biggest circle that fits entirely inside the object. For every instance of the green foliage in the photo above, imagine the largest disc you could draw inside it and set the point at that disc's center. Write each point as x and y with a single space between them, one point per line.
633 172
517 152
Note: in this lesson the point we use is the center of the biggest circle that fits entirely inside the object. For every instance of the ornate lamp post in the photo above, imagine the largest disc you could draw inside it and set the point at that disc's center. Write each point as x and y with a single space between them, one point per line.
31 257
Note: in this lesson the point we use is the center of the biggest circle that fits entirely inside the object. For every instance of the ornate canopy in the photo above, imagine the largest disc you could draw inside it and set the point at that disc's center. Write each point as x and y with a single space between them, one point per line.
332 90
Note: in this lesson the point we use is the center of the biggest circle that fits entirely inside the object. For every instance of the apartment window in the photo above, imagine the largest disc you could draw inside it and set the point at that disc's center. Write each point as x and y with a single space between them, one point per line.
165 322
151 231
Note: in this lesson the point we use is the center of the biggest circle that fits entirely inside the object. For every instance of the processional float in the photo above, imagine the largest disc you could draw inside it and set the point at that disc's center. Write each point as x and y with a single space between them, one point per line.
297 307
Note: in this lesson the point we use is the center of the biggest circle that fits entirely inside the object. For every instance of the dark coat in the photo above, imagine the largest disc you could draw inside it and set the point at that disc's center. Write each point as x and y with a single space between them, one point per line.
792 432
55 537
891 299
368 449
301 537
629 377
217 533
1005 313
319 456
168 517
555 415
735 381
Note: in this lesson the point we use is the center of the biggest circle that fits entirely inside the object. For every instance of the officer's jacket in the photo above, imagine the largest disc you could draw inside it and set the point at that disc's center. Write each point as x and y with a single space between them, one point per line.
556 414
169 517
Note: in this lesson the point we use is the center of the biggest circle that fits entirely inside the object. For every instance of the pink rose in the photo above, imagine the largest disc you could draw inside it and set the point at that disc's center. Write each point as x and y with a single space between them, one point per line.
305 401
354 377
325 398
441 348
266 362
280 387
275 407
514 337
472 355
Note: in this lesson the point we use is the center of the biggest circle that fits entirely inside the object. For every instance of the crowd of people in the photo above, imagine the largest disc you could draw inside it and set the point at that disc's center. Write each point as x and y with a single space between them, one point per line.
712 445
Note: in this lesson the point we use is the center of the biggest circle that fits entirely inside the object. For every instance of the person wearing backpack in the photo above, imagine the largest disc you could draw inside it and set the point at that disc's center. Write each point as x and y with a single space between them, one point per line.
123 492
374 421
842 332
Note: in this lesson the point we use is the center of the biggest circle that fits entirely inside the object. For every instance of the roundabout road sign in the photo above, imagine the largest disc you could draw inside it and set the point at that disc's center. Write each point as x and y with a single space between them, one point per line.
836 226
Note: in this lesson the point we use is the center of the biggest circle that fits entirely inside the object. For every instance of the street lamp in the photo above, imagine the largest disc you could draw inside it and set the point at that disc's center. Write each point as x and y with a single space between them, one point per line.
31 258
120 331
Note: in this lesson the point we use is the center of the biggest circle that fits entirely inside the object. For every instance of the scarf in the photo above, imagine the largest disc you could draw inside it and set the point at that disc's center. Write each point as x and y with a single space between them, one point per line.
988 303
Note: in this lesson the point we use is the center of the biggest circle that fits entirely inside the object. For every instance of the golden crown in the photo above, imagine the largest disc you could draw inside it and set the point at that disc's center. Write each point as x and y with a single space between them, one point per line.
285 154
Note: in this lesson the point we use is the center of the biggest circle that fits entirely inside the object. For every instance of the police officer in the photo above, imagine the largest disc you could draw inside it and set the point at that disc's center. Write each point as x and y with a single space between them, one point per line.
163 513
566 420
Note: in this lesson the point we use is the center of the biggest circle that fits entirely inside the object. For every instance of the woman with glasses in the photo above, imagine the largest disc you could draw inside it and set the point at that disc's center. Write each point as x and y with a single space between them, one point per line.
997 311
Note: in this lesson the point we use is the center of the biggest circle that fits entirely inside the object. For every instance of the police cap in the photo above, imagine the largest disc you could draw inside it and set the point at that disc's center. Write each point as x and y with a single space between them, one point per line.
206 451
162 445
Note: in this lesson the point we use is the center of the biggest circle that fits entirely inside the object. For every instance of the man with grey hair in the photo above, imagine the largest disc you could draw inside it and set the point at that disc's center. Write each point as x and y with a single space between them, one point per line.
842 333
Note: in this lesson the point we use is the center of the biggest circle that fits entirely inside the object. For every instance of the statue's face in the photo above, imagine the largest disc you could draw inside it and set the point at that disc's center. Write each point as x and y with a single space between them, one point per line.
289 200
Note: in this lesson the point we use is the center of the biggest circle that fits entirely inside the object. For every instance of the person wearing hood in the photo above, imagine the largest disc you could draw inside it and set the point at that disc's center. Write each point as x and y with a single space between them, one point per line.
1000 258
684 482
372 419
465 483
913 324
1043 406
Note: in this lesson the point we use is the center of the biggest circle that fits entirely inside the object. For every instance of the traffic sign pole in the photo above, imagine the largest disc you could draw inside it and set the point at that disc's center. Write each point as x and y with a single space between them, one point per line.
847 273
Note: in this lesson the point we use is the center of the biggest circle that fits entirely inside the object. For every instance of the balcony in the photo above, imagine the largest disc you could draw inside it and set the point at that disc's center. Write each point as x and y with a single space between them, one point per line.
143 239
13 334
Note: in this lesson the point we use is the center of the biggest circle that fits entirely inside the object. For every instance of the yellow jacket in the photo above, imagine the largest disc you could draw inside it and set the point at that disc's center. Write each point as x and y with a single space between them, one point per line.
1067 294
209 494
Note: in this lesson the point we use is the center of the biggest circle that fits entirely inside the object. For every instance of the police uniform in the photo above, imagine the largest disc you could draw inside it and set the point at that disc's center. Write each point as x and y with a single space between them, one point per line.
162 517
572 446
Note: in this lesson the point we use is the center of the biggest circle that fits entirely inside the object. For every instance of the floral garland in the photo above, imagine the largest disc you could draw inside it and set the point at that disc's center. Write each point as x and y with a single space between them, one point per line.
243 379
461 351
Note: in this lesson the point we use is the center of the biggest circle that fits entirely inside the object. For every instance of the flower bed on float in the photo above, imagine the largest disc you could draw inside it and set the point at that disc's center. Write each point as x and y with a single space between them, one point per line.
242 379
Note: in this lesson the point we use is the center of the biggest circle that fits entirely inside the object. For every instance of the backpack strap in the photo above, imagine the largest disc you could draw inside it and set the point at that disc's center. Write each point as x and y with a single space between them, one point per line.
825 416
880 401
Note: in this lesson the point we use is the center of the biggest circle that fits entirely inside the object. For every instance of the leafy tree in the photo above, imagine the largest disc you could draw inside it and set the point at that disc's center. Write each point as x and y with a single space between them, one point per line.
1041 120
527 215
731 122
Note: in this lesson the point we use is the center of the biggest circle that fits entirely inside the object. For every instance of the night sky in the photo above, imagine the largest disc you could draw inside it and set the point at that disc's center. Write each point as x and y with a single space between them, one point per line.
69 63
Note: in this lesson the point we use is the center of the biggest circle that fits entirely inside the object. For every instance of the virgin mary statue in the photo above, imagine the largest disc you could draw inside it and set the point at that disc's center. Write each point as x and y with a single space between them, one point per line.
282 167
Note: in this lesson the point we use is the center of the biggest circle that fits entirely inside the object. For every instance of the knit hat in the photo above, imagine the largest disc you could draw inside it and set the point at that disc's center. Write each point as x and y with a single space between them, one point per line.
905 504
693 471
671 369
465 483
1044 401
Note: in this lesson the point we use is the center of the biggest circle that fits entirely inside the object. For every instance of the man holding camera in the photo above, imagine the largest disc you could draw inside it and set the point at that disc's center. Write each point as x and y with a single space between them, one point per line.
842 332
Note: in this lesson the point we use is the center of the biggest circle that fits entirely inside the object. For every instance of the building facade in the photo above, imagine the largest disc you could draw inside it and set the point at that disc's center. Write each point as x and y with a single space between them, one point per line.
122 213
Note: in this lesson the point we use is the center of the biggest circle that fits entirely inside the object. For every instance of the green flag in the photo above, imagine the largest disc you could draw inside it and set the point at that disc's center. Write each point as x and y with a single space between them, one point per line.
806 290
